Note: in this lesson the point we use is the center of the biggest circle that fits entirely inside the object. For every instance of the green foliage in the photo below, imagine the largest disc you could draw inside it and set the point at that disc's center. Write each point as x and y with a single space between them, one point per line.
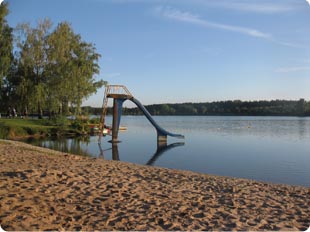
52 70
94 121
6 46
73 64
32 65
58 121
78 125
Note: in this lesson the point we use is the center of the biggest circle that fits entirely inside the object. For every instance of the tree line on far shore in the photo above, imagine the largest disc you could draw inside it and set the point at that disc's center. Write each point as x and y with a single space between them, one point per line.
221 108
43 69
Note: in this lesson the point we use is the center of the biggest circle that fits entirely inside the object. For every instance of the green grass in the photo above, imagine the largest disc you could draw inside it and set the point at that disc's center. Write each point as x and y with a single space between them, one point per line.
18 128
24 122
14 128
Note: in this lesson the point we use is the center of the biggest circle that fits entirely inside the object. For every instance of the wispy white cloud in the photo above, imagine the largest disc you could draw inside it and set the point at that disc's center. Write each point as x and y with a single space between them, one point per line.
256 6
188 17
185 16
253 6
292 69
287 44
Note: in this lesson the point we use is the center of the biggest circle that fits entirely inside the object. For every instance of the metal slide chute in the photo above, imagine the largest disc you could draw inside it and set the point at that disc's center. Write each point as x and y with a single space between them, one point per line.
159 129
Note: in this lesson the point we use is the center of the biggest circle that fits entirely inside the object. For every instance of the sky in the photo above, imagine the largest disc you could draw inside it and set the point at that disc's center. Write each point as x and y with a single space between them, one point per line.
174 51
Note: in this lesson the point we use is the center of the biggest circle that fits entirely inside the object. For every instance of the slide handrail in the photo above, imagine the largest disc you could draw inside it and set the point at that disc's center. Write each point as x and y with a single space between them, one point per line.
118 90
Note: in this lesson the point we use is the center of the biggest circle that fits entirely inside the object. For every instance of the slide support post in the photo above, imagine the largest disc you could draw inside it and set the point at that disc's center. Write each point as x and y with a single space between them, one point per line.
117 113
161 138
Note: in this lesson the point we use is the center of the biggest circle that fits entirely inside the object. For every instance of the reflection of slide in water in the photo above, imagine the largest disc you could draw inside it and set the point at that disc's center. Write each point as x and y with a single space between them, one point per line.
161 149
114 148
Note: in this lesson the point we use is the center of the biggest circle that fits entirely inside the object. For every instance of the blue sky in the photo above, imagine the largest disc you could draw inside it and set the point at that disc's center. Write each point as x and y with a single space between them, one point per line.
168 51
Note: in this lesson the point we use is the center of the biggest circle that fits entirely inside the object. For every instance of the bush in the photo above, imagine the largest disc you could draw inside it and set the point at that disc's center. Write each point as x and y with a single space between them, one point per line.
60 121
94 121
77 124
33 130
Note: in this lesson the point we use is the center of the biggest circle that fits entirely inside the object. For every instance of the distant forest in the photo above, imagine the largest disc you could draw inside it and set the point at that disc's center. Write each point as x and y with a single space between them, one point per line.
221 108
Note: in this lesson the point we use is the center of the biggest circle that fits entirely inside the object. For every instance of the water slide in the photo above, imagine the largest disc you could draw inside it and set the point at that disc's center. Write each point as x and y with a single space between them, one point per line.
160 130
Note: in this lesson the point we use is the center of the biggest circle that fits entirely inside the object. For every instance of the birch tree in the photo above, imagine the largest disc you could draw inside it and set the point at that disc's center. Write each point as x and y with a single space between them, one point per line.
6 46
73 65
33 61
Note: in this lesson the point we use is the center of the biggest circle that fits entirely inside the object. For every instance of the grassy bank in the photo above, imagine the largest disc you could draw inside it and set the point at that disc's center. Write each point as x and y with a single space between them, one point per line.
20 128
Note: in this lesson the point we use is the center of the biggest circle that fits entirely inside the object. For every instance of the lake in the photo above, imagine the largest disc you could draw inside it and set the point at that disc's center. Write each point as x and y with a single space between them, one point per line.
272 149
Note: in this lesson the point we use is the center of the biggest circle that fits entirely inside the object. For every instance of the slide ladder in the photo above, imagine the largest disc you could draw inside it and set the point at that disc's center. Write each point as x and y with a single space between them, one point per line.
104 113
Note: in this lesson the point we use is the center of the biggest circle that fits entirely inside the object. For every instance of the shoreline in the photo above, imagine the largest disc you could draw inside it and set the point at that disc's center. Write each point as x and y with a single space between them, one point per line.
43 189
24 128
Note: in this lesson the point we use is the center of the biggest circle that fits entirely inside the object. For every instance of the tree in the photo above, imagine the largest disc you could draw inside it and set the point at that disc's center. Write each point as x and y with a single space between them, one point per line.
33 62
60 62
301 107
72 66
6 46
55 69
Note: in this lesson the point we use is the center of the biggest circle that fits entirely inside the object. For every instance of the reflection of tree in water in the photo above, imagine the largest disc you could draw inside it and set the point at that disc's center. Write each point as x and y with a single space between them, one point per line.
302 127
76 145
64 144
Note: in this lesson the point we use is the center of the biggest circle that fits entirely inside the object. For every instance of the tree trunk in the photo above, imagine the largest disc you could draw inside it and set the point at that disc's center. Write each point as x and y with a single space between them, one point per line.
40 112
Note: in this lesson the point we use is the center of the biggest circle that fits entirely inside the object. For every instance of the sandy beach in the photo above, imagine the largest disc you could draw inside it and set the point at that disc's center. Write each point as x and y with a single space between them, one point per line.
41 189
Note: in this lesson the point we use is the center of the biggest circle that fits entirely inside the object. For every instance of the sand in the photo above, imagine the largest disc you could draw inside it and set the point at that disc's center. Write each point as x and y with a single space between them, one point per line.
41 189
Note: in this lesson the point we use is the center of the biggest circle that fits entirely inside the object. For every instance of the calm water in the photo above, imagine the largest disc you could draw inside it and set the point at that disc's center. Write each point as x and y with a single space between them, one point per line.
273 149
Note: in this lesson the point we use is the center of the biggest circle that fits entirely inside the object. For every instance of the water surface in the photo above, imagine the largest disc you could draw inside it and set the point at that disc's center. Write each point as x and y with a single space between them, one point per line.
273 149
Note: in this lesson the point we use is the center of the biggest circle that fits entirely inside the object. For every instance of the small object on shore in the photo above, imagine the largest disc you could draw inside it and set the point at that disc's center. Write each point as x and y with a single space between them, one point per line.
122 128
106 131
95 130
